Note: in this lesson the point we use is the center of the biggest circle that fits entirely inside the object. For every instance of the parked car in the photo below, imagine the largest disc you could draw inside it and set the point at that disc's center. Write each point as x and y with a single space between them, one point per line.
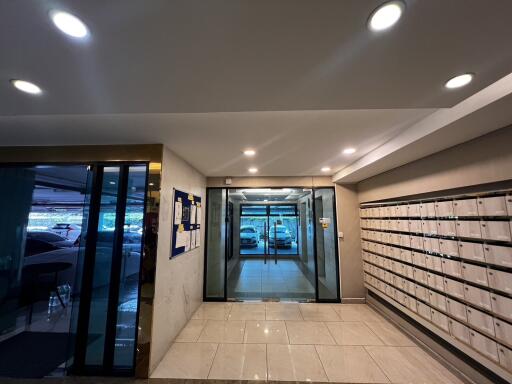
279 236
40 242
249 236
69 231
50 237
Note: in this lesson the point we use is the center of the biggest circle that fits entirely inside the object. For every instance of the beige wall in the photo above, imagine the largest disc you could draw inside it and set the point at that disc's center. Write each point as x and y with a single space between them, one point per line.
487 159
351 265
179 282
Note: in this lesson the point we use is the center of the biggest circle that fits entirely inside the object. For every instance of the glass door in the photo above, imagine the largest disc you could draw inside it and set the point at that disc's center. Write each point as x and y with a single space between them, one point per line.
106 328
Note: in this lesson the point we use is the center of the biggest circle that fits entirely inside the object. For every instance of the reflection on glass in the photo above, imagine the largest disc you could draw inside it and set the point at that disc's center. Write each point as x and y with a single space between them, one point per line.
327 268
125 342
216 245
102 267
39 228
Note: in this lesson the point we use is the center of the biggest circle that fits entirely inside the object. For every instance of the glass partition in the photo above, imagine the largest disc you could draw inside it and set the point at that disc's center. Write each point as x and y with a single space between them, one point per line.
326 245
215 244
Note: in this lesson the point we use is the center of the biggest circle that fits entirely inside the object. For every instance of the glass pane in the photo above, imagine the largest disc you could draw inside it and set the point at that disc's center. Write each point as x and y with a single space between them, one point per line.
102 267
216 244
326 244
283 210
125 342
41 211
282 235
253 210
252 235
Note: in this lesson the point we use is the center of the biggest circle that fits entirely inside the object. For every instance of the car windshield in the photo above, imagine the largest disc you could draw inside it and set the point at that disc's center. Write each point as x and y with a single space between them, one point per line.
45 236
247 230
280 229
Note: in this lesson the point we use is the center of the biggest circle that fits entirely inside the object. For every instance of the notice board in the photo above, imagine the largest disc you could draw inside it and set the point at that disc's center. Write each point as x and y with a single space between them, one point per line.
186 225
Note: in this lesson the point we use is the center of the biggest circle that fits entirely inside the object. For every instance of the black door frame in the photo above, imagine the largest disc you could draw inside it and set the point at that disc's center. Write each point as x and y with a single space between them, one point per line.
337 258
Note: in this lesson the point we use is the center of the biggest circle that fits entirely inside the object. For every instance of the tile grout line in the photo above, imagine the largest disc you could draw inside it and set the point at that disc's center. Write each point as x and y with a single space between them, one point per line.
321 362
213 360
377 363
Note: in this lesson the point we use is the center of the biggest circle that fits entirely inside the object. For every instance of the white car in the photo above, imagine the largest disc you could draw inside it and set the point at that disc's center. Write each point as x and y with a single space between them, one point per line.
249 236
69 231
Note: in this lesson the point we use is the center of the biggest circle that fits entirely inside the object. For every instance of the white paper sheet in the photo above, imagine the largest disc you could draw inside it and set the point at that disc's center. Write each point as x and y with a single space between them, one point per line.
198 237
193 210
198 216
182 239
177 212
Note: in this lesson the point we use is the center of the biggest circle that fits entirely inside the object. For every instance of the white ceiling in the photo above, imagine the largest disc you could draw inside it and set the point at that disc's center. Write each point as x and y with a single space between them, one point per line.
297 79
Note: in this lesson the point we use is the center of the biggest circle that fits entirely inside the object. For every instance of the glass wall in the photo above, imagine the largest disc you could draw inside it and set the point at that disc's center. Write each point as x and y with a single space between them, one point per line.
40 225
326 244
70 253
216 244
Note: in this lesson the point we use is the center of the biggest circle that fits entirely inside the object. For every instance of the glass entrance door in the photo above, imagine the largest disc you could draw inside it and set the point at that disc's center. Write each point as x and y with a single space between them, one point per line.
271 244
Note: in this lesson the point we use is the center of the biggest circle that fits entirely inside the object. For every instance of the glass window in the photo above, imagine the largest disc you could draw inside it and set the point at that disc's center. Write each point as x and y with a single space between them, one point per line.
254 210
283 210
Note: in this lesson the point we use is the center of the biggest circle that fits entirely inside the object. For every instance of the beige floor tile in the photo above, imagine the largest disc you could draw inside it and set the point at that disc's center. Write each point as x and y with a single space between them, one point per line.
186 361
350 364
308 332
318 312
222 331
282 311
390 334
265 331
353 333
411 365
357 312
245 311
240 362
191 331
294 363
213 311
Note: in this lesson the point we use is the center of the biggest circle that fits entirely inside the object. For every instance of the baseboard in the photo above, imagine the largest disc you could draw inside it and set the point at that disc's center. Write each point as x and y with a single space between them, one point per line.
353 300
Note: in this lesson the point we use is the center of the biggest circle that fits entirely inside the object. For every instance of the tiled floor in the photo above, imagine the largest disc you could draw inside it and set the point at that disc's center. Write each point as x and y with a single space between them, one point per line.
347 343
256 280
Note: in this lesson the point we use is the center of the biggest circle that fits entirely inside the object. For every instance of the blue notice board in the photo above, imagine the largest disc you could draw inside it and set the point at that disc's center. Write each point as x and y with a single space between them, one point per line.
186 234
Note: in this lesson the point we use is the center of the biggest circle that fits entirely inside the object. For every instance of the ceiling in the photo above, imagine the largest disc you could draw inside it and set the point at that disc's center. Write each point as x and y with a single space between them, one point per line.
296 79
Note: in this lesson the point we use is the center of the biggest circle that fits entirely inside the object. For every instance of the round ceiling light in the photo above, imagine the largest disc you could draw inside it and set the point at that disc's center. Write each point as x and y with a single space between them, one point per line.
26 86
386 16
69 24
459 81
249 152
325 169
253 170
349 151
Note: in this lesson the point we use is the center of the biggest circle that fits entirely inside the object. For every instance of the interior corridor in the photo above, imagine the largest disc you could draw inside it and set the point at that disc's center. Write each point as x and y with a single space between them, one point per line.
283 280
348 343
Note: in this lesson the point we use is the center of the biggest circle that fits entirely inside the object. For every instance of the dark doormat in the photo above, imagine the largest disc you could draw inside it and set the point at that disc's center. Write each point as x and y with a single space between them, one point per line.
32 354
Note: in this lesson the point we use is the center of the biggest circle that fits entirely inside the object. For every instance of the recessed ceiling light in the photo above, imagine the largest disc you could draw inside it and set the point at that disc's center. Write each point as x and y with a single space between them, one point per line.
69 24
26 86
253 170
459 81
386 16
249 152
325 169
349 151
